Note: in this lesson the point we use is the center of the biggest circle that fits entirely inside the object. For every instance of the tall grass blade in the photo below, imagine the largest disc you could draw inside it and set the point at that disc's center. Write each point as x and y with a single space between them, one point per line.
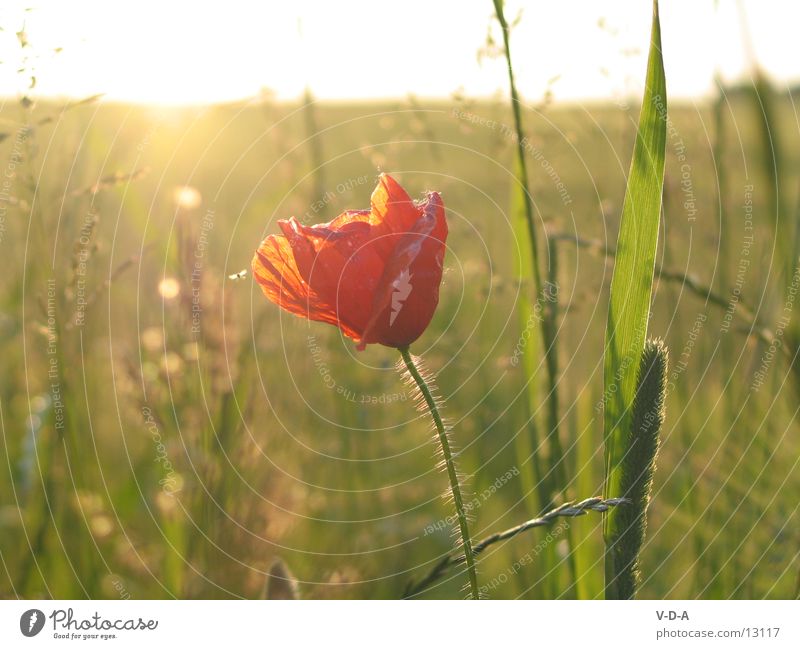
552 481
632 281
528 445
589 582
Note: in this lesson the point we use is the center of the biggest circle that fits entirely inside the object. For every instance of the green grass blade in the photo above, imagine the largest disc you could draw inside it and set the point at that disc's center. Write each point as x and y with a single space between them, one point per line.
554 481
632 281
534 477
534 482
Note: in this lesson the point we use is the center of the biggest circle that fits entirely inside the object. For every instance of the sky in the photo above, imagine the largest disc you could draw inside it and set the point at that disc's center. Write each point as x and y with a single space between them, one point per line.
176 52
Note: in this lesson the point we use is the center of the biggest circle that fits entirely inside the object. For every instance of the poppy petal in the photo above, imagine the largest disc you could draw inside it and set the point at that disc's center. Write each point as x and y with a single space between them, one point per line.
373 273
275 269
408 292
340 265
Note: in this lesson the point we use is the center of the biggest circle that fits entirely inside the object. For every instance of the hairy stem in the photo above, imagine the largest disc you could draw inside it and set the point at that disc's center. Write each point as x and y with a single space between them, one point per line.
455 488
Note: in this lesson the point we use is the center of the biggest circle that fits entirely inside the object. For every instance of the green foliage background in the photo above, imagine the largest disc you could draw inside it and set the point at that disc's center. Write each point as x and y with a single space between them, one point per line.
267 459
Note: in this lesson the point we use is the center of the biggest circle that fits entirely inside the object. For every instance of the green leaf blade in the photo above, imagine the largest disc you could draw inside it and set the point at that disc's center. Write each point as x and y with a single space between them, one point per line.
632 280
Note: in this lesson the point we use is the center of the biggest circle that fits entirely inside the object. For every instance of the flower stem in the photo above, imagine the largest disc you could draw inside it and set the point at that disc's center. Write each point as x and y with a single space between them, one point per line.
455 488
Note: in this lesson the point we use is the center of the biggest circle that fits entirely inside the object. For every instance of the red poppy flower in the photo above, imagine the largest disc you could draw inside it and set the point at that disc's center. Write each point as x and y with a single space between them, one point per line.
374 273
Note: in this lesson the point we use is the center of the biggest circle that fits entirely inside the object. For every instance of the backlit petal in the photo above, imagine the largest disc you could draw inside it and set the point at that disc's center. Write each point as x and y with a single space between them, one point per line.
408 292
275 269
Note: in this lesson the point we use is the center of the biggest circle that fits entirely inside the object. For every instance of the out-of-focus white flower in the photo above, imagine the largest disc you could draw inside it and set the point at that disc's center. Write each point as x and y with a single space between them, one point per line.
152 339
172 363
187 197
169 288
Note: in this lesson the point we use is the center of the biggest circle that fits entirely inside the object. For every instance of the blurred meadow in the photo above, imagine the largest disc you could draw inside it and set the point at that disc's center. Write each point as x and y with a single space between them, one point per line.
167 432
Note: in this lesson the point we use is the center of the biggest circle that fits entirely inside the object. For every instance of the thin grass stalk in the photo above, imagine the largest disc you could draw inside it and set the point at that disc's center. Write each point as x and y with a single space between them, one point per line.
589 584
526 446
316 157
567 510
751 326
65 442
452 473
557 483
728 349
522 178
720 168
550 325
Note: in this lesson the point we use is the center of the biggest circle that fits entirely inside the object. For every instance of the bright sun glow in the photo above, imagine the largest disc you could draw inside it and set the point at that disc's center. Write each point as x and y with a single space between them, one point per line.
182 52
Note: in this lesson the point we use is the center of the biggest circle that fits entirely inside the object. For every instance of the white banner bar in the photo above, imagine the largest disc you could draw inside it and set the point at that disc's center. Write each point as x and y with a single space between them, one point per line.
405 624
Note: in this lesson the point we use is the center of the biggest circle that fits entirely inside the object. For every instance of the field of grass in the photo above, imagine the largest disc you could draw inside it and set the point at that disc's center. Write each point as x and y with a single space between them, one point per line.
167 432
